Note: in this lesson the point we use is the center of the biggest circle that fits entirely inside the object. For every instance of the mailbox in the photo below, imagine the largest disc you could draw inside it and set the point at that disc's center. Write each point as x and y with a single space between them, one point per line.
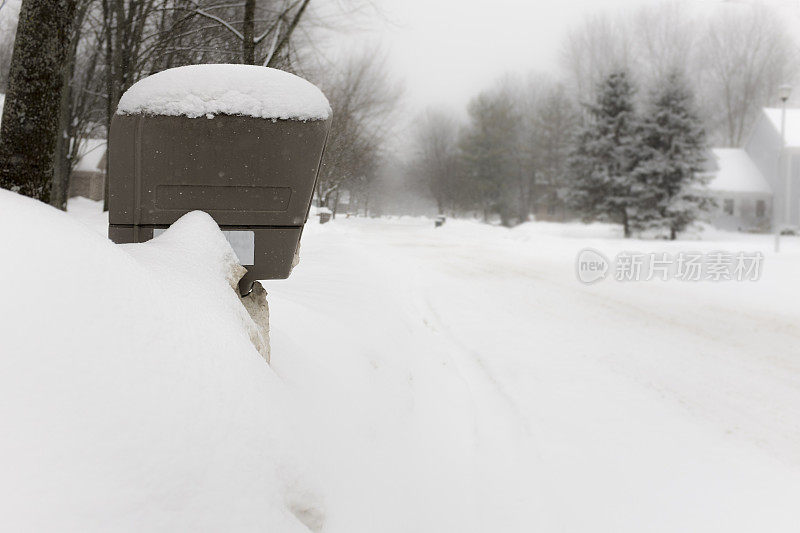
242 143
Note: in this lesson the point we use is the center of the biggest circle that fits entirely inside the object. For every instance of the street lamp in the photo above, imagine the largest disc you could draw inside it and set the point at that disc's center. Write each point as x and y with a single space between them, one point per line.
784 92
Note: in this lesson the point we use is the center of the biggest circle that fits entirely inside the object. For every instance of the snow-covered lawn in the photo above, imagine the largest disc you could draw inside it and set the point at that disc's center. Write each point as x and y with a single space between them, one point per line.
453 379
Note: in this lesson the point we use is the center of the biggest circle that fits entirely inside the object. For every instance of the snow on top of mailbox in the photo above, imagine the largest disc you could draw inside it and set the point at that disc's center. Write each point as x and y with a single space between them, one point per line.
248 90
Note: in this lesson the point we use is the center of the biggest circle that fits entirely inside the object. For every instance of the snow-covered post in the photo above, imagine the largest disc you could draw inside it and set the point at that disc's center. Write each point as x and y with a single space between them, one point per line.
241 142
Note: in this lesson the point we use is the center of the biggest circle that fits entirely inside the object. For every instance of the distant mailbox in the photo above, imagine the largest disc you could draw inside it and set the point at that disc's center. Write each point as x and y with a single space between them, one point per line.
253 173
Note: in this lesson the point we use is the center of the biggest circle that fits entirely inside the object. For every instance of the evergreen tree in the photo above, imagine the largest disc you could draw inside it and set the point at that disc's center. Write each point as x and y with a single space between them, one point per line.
670 192
605 155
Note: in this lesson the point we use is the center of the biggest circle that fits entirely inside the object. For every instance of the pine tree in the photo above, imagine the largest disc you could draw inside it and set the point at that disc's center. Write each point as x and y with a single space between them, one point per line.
606 154
30 115
669 188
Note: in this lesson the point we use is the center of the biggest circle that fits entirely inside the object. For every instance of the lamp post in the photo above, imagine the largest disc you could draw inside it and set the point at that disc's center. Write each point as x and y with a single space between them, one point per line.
784 91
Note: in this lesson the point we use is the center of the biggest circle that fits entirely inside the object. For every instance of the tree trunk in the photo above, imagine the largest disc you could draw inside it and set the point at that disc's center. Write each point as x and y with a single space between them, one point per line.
117 64
248 32
524 212
62 167
110 105
335 206
505 216
31 114
672 234
626 227
531 194
287 35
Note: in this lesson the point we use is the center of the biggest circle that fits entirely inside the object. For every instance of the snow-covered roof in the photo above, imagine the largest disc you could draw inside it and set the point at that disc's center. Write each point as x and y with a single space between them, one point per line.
732 170
91 155
792 124
249 90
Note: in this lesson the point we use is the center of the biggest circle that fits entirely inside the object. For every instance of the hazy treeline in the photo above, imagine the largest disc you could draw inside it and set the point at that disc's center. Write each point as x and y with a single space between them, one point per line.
517 147
115 43
518 136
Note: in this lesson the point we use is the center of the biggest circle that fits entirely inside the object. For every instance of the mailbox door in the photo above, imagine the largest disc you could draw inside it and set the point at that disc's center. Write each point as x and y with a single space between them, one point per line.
240 170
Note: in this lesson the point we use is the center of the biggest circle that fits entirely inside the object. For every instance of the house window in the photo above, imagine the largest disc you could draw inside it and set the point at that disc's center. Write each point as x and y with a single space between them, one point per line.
761 208
727 206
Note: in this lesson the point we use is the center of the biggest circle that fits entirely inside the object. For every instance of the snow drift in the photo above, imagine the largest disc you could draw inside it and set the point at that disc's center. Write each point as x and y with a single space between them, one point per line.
426 380
131 397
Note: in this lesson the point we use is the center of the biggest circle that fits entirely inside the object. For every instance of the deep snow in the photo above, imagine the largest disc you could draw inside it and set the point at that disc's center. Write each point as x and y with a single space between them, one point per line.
651 406
207 90
449 379
131 398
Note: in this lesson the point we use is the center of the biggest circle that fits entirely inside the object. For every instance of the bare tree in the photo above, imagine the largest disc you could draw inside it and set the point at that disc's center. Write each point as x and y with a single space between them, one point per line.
363 98
546 119
77 101
591 51
490 152
664 39
551 129
30 115
745 55
436 157
249 32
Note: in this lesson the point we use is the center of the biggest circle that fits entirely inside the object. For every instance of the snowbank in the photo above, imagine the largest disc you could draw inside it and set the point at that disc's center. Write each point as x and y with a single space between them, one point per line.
90 212
131 397
425 380
249 90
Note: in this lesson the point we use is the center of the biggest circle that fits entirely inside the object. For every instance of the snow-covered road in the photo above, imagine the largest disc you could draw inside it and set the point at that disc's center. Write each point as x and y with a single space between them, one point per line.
465 380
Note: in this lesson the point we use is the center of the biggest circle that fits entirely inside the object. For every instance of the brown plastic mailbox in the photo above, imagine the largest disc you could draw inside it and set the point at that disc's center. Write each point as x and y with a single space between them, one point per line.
254 176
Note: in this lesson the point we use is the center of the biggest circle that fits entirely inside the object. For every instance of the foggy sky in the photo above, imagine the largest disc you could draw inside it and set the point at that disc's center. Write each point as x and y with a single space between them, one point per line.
447 51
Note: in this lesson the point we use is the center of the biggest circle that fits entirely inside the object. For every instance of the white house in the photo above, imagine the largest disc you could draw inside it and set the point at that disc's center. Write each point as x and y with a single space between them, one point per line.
777 160
744 198
749 183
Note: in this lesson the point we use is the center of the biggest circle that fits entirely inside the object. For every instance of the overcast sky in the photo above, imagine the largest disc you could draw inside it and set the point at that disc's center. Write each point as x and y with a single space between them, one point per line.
446 51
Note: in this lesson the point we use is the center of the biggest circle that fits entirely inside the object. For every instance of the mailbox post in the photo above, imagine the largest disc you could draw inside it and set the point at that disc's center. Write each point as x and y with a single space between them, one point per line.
240 142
